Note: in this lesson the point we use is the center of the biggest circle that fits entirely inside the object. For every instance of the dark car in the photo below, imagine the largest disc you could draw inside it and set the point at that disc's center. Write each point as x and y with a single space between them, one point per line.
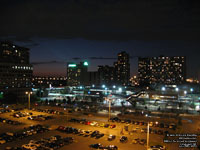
106 125
123 139
136 123
94 133
99 135
161 125
166 126
111 147
160 132
128 121
96 146
68 140
61 128
142 141
111 137
158 147
141 123
115 119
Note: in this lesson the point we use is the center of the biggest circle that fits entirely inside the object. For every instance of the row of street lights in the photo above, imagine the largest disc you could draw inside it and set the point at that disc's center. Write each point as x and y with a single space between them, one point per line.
177 90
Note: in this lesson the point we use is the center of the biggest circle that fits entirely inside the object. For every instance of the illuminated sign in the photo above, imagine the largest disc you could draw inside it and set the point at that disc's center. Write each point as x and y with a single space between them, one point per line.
85 63
71 65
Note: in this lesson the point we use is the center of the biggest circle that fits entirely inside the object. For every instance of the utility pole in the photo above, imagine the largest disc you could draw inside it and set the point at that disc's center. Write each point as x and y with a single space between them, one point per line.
29 99
109 109
148 136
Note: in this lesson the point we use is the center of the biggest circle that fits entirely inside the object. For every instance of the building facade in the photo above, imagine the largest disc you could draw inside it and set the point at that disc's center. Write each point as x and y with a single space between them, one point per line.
77 74
93 78
15 69
122 69
106 75
162 70
46 82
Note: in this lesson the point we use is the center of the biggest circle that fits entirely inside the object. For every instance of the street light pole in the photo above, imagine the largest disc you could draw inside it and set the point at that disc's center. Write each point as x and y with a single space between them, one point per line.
148 136
29 99
67 116
109 110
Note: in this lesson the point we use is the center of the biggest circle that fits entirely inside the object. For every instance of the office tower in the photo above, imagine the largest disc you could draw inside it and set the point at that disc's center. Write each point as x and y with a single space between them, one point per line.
15 70
77 74
122 69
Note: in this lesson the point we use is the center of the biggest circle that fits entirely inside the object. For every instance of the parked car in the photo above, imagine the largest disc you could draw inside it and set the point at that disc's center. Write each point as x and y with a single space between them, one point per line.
99 135
157 147
111 137
111 147
96 146
106 125
112 126
135 141
142 141
123 139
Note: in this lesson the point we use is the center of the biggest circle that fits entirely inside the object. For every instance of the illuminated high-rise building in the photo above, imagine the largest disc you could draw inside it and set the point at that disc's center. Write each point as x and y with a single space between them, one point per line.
77 74
163 70
15 69
122 69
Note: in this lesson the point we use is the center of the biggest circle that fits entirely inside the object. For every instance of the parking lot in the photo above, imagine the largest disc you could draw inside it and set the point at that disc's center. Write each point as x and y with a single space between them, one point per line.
135 131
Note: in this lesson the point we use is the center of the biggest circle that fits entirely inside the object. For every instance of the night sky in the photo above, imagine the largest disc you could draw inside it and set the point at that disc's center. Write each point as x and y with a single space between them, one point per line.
59 30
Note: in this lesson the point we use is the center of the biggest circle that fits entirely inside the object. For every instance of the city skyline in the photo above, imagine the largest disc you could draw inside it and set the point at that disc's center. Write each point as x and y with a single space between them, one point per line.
59 65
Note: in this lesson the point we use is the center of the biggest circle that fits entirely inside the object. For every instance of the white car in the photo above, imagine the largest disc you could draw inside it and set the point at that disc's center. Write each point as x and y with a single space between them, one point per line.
29 146
93 123
142 130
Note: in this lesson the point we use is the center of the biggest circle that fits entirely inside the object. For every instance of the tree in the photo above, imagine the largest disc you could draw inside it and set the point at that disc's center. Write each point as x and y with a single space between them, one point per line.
46 101
64 101
69 101
122 103
159 108
54 101
10 98
34 98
